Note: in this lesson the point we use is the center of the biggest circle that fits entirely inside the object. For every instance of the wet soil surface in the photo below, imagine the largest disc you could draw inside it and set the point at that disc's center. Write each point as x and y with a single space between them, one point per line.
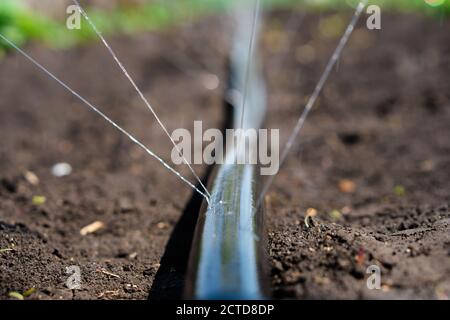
372 167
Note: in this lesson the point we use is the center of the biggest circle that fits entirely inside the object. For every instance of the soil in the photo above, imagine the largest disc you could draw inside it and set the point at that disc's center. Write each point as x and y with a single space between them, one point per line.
373 161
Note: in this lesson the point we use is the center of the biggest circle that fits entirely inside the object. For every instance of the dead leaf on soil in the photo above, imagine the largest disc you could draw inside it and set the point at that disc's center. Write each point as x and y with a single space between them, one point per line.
38 200
16 295
104 271
385 288
347 186
91 228
108 293
31 177
29 292
360 257
162 225
321 280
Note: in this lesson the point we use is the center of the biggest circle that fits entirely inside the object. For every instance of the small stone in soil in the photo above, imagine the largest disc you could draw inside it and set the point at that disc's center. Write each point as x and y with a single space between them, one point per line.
132 255
61 169
162 225
125 205
31 177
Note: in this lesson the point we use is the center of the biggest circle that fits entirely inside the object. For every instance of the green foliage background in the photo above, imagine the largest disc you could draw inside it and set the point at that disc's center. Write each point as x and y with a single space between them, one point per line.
22 25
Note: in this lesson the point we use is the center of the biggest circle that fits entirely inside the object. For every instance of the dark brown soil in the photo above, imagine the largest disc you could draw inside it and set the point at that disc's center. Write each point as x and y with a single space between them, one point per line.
381 123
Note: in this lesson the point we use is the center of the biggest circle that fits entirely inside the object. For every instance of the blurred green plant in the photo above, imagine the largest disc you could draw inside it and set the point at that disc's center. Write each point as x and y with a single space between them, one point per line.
21 25
422 6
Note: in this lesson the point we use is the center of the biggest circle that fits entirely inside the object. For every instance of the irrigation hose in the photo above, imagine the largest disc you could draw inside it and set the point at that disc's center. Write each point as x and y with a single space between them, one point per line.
227 255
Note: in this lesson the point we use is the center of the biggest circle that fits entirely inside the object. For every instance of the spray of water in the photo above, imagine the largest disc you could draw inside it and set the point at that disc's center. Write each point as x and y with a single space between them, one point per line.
318 89
138 91
101 114
251 48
